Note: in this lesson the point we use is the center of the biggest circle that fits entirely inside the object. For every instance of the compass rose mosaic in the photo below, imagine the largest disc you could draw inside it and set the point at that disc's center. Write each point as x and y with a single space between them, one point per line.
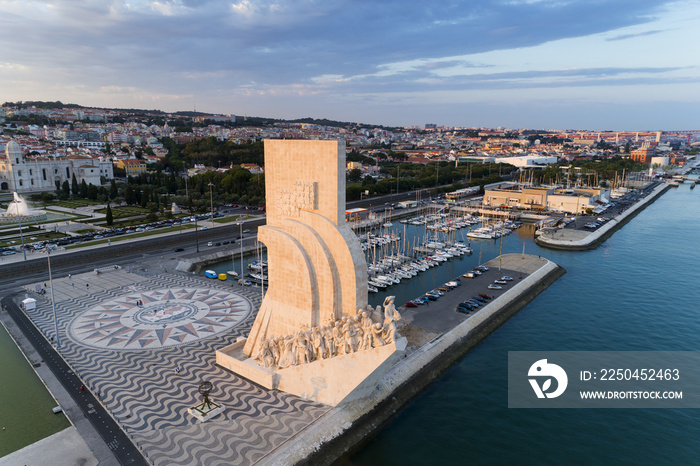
159 318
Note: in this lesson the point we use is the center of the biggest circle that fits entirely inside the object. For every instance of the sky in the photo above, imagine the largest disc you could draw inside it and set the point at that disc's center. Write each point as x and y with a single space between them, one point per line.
554 64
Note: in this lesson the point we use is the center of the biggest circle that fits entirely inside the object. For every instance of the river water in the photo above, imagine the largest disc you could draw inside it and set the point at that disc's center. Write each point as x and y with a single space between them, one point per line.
637 291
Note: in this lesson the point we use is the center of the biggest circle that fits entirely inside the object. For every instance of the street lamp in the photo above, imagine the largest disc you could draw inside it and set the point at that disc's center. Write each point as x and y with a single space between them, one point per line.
21 237
196 232
53 301
211 200
397 181
240 237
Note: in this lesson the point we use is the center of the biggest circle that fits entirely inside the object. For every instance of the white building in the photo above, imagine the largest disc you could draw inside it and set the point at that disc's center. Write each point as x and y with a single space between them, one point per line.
660 161
528 161
21 174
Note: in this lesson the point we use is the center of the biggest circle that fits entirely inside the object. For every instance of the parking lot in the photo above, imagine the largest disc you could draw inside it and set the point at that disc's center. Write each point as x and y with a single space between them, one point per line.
441 315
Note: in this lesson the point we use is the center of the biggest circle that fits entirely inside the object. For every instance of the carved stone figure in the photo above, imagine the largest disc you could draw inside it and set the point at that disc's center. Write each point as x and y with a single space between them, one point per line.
343 336
390 312
319 344
389 331
378 335
275 350
265 356
302 350
349 336
328 339
288 356
338 338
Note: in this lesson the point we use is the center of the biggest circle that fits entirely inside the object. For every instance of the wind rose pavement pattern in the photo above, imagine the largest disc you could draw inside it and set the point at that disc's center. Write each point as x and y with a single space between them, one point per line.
159 318
146 361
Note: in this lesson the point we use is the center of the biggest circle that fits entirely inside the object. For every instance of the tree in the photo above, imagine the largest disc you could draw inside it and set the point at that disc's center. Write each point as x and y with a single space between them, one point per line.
113 192
109 218
83 189
75 189
66 188
92 192
354 175
129 196
145 197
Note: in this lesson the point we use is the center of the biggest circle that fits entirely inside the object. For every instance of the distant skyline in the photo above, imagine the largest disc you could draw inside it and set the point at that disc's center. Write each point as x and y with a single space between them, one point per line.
564 64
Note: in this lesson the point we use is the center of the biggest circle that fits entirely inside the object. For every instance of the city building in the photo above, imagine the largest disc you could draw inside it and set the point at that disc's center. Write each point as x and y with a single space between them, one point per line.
513 195
22 174
643 154
132 167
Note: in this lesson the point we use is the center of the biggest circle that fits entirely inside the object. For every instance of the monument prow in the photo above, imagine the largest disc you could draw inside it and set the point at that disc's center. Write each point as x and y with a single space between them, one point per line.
317 271
308 337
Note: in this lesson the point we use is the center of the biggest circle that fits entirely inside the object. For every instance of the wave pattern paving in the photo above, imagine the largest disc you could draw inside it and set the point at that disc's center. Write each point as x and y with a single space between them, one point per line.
148 391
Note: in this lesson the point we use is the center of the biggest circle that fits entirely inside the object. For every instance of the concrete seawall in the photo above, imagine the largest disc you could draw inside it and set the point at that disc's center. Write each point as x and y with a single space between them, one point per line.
345 428
599 236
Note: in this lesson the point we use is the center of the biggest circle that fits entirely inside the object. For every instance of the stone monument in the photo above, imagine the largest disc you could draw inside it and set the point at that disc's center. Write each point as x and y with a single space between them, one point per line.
314 335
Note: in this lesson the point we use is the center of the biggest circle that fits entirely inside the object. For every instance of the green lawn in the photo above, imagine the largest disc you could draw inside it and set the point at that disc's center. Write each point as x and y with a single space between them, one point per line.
227 219
73 204
140 234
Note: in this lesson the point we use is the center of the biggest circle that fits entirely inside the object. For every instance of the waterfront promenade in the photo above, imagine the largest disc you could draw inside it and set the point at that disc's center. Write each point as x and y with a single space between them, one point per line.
145 377
145 380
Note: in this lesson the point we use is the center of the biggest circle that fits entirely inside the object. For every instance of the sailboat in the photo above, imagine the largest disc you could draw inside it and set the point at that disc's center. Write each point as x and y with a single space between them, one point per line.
232 273
388 223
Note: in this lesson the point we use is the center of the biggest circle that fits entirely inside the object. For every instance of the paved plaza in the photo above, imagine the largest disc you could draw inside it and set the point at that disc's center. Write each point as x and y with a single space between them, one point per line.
143 344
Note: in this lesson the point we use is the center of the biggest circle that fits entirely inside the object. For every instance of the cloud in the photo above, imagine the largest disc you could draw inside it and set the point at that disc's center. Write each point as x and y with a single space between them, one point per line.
634 35
169 8
13 67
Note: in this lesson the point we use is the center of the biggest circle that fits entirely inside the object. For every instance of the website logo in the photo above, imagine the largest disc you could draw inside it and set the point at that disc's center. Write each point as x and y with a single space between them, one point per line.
544 371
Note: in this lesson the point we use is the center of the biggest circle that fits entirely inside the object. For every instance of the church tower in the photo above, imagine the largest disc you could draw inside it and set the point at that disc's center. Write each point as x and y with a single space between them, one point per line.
15 166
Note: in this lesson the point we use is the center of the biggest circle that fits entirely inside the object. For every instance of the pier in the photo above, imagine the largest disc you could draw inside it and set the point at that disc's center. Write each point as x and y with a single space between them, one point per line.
578 240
